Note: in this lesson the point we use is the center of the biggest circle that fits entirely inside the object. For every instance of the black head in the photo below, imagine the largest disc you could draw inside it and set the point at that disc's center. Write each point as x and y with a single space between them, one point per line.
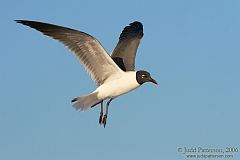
144 76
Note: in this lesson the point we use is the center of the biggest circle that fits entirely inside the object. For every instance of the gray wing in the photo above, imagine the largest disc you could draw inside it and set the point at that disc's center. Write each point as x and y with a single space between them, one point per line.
87 49
125 52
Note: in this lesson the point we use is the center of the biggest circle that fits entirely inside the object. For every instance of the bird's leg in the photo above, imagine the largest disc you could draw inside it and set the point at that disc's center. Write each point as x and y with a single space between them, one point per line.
106 113
101 112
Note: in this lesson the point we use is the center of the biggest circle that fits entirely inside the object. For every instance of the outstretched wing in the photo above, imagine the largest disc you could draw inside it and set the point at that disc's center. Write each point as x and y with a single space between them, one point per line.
125 52
86 48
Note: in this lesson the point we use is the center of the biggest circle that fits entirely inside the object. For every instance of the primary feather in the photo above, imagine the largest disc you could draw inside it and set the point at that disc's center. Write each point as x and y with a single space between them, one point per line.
125 51
86 48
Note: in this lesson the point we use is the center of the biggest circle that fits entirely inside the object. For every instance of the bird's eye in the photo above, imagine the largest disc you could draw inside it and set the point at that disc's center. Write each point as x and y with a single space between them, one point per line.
144 76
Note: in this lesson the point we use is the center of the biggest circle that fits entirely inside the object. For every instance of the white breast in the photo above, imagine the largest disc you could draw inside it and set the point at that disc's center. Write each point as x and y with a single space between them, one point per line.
116 86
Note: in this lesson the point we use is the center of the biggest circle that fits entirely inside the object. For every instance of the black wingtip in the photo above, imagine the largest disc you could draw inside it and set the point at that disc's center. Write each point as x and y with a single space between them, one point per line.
28 22
137 24
20 21
74 100
25 22
133 29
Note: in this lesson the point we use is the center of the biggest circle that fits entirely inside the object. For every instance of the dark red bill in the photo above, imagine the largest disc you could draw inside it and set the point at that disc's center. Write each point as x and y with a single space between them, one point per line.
153 81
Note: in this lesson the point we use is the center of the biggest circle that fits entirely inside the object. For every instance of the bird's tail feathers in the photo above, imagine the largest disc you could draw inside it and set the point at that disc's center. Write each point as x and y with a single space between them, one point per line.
84 103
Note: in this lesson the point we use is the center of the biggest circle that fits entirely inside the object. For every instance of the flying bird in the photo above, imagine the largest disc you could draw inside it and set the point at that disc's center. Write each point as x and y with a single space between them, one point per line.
114 75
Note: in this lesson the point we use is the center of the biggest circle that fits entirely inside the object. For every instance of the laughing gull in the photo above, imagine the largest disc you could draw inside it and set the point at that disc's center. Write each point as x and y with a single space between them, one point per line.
113 75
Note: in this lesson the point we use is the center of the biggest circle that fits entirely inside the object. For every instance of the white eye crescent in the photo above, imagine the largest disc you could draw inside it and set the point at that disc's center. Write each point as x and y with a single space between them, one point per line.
144 76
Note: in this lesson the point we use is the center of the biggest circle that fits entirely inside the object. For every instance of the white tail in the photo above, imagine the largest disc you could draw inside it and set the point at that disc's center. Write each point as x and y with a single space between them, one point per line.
85 102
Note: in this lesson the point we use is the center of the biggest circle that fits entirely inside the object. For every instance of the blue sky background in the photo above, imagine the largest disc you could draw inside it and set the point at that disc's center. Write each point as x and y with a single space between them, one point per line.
191 48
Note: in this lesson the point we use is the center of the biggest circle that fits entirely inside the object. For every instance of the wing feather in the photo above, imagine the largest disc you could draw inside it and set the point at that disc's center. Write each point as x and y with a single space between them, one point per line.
85 47
125 51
